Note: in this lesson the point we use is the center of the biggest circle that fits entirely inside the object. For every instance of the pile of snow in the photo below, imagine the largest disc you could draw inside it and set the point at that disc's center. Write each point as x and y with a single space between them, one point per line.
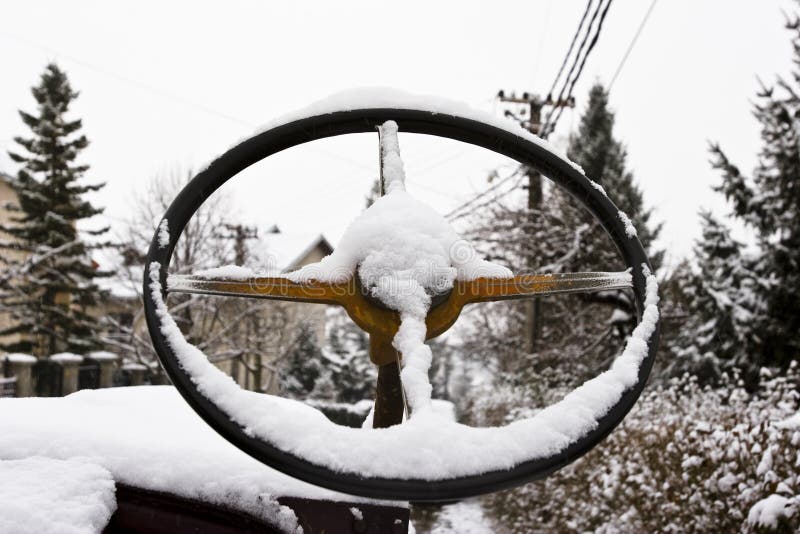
404 252
146 437
66 357
45 496
17 357
766 513
103 356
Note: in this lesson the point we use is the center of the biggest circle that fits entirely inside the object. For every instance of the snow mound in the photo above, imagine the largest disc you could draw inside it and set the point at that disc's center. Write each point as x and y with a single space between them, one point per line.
404 252
766 513
45 496
146 437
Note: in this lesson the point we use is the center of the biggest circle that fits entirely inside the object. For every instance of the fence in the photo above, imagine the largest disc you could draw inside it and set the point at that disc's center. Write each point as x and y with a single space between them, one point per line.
8 386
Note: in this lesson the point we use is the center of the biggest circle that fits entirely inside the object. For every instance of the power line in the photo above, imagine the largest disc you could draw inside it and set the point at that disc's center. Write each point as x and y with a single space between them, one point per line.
546 130
574 80
454 214
633 43
571 46
168 95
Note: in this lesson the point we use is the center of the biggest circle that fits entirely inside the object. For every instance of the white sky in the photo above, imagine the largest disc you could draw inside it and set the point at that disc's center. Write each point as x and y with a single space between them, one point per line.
173 84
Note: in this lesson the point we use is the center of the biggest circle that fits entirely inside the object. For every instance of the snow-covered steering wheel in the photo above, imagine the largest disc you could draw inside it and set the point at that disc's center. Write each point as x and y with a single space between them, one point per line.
399 463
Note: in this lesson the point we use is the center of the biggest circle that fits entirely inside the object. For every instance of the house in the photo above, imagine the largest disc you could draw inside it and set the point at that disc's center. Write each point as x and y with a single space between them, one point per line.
283 252
251 335
7 196
273 325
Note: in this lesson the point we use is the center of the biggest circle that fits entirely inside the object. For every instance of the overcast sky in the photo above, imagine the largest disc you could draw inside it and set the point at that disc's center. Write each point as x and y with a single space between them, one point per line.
173 84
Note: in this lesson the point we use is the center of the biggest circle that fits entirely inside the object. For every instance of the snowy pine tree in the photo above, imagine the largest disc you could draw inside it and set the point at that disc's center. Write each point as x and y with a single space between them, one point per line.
722 306
351 371
48 287
562 236
303 364
769 203
603 159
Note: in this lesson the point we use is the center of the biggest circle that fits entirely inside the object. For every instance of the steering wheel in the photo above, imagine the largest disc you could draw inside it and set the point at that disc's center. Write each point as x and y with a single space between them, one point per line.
382 323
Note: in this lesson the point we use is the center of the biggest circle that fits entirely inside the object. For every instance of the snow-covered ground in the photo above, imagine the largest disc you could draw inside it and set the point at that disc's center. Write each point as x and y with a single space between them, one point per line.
40 495
146 437
465 517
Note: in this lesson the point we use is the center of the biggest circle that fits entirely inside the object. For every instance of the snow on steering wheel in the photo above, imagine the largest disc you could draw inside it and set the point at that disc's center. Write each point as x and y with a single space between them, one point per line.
403 276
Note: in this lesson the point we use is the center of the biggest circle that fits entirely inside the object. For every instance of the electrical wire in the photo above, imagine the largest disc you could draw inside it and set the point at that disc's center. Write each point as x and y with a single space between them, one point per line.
633 43
545 129
551 127
571 46
454 214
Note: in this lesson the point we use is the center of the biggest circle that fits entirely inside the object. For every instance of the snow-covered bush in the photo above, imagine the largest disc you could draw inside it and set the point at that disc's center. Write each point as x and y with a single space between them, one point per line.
686 459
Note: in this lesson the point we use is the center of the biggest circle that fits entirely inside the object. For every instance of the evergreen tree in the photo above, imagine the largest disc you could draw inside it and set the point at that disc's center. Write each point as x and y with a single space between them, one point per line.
351 371
769 203
722 306
302 366
603 158
49 287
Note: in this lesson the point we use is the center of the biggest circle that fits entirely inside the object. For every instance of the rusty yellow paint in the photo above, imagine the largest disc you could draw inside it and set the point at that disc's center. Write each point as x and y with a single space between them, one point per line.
382 323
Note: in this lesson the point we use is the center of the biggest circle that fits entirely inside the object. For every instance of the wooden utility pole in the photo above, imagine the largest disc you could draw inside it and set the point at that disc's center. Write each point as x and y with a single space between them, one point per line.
533 123
240 235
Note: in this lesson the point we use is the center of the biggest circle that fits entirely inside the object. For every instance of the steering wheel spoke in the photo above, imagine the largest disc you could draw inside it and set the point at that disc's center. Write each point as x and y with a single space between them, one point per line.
535 285
262 287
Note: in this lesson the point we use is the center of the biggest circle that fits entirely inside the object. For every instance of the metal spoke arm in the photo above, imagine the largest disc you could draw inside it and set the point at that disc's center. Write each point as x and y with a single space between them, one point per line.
263 287
535 285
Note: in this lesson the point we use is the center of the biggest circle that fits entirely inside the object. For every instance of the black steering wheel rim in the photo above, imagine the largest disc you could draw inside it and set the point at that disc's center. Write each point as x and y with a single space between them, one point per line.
458 128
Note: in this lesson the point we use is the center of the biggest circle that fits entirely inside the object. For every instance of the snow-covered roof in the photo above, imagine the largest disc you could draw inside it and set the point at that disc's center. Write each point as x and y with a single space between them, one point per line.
286 252
147 437
281 252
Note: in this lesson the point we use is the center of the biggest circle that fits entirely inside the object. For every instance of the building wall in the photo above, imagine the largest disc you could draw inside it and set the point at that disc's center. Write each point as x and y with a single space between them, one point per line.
295 313
7 196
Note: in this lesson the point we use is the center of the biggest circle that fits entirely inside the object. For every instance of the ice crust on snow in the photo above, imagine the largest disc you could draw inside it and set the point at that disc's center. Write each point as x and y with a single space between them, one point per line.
148 437
45 496
426 446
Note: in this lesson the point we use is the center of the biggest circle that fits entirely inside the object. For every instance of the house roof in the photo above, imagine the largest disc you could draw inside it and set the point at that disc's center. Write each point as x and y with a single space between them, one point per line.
286 252
281 252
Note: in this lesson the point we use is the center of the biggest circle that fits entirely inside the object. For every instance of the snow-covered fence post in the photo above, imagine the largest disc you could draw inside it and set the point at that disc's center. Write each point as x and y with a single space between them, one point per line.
69 370
136 372
21 366
108 363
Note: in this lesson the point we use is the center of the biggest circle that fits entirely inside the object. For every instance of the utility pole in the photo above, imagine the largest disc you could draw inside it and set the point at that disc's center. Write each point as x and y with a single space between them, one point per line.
240 235
531 105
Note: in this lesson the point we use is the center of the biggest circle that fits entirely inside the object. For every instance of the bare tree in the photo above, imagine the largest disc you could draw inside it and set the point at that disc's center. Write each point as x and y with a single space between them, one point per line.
244 337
